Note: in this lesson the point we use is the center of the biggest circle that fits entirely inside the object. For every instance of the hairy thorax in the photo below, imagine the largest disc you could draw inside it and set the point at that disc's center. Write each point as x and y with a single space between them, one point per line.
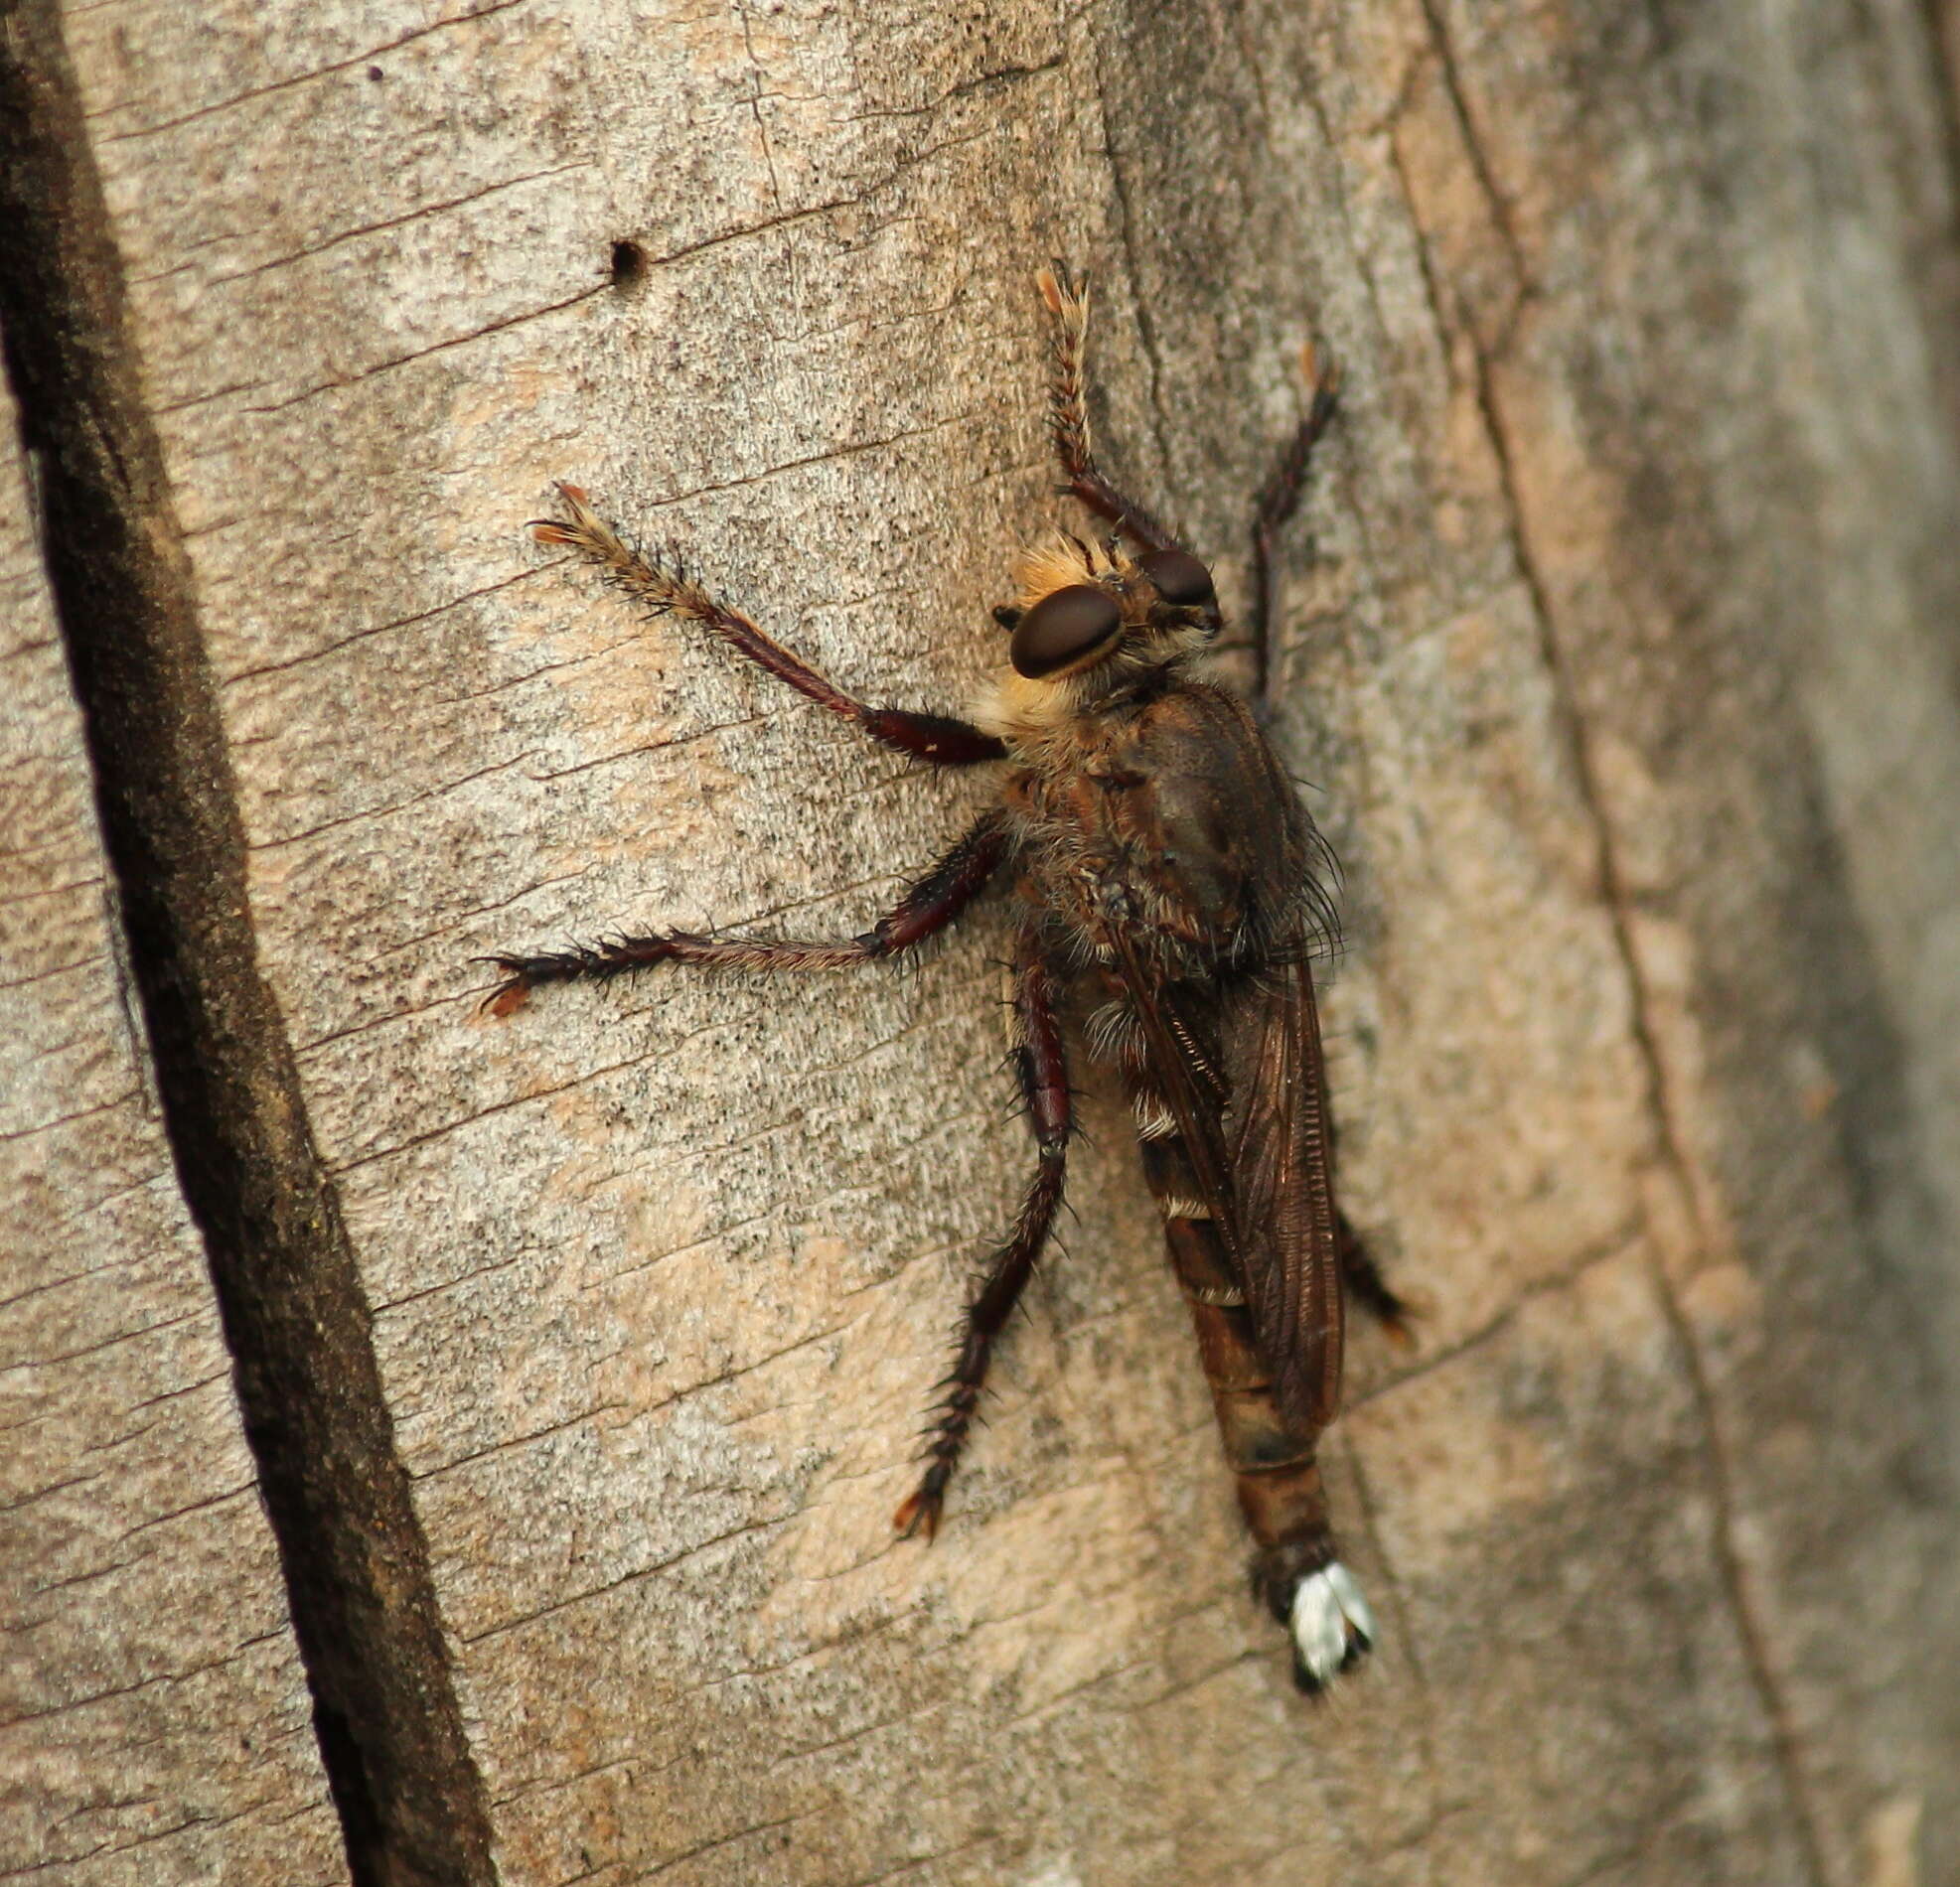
1143 818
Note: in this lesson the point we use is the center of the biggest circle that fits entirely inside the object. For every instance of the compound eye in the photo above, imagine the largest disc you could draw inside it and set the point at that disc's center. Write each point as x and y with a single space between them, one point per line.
1066 626
1181 578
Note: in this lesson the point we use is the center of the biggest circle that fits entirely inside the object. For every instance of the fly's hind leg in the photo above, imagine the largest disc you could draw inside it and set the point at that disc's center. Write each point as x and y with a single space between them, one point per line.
1068 415
1361 1277
1280 497
1044 1079
1367 1287
667 589
930 904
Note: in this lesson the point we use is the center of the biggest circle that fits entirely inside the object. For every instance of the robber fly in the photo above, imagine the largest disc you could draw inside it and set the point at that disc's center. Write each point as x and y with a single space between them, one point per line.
1165 866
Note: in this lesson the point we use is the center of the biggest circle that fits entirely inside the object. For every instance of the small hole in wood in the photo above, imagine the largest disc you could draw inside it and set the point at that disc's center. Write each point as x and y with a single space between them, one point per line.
629 265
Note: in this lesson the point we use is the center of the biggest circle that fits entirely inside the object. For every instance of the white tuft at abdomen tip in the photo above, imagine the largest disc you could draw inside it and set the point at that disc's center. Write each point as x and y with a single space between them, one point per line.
1331 1624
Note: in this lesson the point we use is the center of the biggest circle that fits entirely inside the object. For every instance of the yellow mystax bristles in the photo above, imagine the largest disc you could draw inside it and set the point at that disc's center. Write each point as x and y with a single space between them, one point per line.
1054 563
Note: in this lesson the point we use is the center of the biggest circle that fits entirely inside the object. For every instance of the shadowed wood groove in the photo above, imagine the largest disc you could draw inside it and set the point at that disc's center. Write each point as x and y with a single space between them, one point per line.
295 1317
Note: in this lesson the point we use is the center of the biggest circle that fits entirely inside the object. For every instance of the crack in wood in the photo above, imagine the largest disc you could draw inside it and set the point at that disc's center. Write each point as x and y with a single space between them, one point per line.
296 1320
348 65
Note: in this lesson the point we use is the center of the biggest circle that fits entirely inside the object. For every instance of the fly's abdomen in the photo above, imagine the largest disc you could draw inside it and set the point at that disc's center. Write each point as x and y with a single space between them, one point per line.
1275 1464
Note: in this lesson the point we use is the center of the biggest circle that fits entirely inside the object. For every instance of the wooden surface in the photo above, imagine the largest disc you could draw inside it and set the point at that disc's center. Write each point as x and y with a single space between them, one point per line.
1617 640
154 1723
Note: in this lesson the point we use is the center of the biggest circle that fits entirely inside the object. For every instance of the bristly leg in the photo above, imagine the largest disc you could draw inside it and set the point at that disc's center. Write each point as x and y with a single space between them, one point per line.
1362 1279
1368 1288
930 904
1280 497
1068 409
667 589
1044 1078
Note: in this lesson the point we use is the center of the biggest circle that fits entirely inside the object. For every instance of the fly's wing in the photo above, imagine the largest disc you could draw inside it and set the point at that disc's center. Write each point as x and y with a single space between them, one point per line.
1237 1055
1277 1145
1191 1081
1244 1082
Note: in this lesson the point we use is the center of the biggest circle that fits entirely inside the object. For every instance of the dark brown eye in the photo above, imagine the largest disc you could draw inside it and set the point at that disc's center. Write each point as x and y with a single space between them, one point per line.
1181 578
1063 627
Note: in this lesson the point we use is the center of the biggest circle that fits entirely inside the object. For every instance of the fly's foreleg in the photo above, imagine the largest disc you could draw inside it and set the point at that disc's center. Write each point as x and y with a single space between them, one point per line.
1068 408
667 589
927 908
1281 496
1044 1079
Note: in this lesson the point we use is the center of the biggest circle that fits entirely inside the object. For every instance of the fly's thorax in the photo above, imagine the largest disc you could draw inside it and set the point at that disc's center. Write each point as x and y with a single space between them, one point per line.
1162 819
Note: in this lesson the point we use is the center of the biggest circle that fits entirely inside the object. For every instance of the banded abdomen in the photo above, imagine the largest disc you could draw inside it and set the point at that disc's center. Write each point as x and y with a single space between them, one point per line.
1274 1463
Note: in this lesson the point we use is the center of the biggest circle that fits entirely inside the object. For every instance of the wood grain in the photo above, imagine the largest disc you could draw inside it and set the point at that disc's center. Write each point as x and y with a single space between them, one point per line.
154 1719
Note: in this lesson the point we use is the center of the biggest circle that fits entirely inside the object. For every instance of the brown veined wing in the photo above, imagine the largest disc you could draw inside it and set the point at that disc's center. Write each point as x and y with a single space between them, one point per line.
1277 1142
1238 1065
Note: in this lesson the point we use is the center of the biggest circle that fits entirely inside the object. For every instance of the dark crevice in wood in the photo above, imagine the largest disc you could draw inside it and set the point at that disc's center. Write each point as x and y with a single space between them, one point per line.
356 1569
1941 24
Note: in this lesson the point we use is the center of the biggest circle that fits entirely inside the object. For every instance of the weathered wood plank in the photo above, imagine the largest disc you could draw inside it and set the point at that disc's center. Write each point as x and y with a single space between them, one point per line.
154 1720
1623 670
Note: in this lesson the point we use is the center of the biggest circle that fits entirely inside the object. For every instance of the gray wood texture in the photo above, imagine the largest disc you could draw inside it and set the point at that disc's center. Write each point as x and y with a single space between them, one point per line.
154 1723
1618 640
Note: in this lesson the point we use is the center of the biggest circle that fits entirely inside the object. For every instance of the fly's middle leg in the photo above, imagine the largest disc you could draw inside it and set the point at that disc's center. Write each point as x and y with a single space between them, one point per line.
1044 1079
930 904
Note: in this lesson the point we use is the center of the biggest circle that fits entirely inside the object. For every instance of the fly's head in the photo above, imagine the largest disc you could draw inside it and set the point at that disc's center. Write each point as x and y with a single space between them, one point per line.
1089 624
